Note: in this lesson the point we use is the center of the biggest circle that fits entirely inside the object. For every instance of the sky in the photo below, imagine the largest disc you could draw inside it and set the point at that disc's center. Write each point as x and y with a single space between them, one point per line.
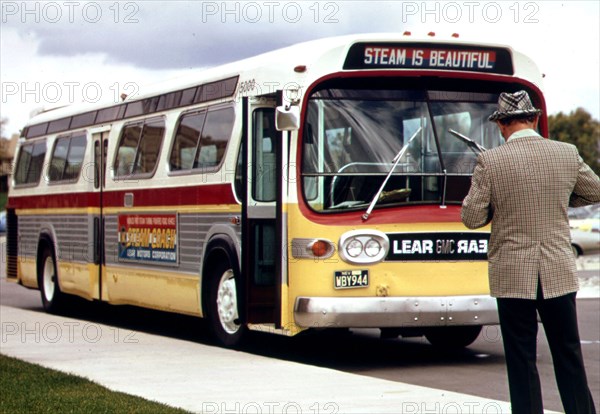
64 52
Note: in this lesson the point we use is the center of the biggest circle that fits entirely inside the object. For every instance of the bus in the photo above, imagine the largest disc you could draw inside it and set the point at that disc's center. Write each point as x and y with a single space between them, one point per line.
317 186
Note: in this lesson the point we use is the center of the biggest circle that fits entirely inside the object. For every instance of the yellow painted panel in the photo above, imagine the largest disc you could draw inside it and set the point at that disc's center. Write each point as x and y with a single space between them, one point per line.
79 279
27 271
156 289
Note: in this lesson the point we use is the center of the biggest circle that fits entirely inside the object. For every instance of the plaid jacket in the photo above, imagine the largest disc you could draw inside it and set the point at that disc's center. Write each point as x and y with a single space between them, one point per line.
524 188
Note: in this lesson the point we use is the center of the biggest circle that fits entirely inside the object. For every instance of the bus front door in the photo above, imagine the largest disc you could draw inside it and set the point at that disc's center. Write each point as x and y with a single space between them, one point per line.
261 239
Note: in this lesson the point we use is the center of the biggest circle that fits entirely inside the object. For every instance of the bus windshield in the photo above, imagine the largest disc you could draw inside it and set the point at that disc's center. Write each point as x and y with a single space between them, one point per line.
351 138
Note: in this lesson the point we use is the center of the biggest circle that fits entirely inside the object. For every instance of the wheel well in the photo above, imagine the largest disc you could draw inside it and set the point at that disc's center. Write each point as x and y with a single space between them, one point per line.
218 250
44 242
577 248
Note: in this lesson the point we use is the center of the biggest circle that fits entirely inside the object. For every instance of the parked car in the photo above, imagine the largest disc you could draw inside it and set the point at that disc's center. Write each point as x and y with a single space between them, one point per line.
585 241
590 223
585 229
585 218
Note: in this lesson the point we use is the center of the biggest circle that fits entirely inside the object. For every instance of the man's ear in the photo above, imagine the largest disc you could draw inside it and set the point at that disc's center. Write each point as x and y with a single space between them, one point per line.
502 129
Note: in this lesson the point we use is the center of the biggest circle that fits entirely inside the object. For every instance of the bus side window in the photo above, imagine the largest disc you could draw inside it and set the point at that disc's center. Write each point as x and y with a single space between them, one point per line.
139 148
127 148
75 157
201 140
185 144
58 160
215 137
149 147
67 158
30 163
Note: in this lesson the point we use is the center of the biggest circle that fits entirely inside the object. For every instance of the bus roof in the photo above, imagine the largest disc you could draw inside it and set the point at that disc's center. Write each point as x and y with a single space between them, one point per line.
319 57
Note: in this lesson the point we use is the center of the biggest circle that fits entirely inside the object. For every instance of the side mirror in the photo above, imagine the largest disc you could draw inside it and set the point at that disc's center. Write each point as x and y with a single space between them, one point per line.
287 118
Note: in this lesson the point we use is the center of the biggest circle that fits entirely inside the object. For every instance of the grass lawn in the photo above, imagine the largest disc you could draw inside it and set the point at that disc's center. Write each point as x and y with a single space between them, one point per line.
29 388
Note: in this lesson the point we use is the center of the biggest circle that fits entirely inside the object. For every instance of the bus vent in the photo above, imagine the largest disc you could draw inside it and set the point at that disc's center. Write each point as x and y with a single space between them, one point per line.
12 243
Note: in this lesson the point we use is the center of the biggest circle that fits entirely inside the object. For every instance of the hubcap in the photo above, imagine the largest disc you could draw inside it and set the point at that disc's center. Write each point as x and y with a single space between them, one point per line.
227 302
49 278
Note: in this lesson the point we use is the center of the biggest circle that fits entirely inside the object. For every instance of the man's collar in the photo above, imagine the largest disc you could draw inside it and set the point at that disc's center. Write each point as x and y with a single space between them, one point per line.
523 133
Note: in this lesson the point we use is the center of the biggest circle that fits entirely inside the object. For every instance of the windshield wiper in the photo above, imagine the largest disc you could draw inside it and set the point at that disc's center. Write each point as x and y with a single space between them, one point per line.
396 160
467 140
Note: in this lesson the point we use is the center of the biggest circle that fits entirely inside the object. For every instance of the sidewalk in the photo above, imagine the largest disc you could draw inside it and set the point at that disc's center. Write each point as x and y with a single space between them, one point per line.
207 379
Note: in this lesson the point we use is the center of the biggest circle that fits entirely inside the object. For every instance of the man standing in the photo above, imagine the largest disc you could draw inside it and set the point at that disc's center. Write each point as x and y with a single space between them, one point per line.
524 188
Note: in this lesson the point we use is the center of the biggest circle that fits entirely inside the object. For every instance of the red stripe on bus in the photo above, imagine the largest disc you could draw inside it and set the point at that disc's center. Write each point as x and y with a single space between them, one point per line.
416 214
68 200
179 196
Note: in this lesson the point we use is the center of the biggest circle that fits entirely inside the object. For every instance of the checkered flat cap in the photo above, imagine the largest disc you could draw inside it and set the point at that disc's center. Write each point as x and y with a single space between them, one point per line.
511 105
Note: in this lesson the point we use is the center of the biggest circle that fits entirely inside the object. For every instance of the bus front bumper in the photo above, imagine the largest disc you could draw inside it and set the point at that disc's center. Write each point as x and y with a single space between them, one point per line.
396 312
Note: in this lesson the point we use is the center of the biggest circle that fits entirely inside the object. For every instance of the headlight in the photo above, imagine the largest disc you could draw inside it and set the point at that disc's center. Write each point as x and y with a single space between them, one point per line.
372 248
354 248
363 246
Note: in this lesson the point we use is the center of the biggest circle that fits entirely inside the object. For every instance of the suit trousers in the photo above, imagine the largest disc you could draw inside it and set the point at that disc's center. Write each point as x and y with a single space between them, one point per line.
519 327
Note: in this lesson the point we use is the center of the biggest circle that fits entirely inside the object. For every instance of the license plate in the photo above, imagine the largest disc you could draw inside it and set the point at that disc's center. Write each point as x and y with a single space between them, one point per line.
347 279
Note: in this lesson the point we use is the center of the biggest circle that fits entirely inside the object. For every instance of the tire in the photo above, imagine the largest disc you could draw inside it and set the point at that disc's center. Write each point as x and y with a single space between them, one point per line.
453 336
53 299
223 307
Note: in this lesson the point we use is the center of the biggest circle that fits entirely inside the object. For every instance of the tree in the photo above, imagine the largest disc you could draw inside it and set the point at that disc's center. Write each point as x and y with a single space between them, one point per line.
580 129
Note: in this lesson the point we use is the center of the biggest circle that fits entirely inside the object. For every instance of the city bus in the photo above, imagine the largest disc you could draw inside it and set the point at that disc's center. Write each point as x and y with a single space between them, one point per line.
317 186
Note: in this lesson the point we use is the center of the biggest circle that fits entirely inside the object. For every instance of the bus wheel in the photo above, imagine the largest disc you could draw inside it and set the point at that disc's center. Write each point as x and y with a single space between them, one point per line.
453 336
223 312
53 299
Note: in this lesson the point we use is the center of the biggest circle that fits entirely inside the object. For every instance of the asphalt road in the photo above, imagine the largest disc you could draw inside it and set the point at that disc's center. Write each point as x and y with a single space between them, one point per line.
477 370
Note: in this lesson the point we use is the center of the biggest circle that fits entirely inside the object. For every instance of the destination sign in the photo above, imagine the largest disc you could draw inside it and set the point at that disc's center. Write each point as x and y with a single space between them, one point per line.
429 56
438 246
